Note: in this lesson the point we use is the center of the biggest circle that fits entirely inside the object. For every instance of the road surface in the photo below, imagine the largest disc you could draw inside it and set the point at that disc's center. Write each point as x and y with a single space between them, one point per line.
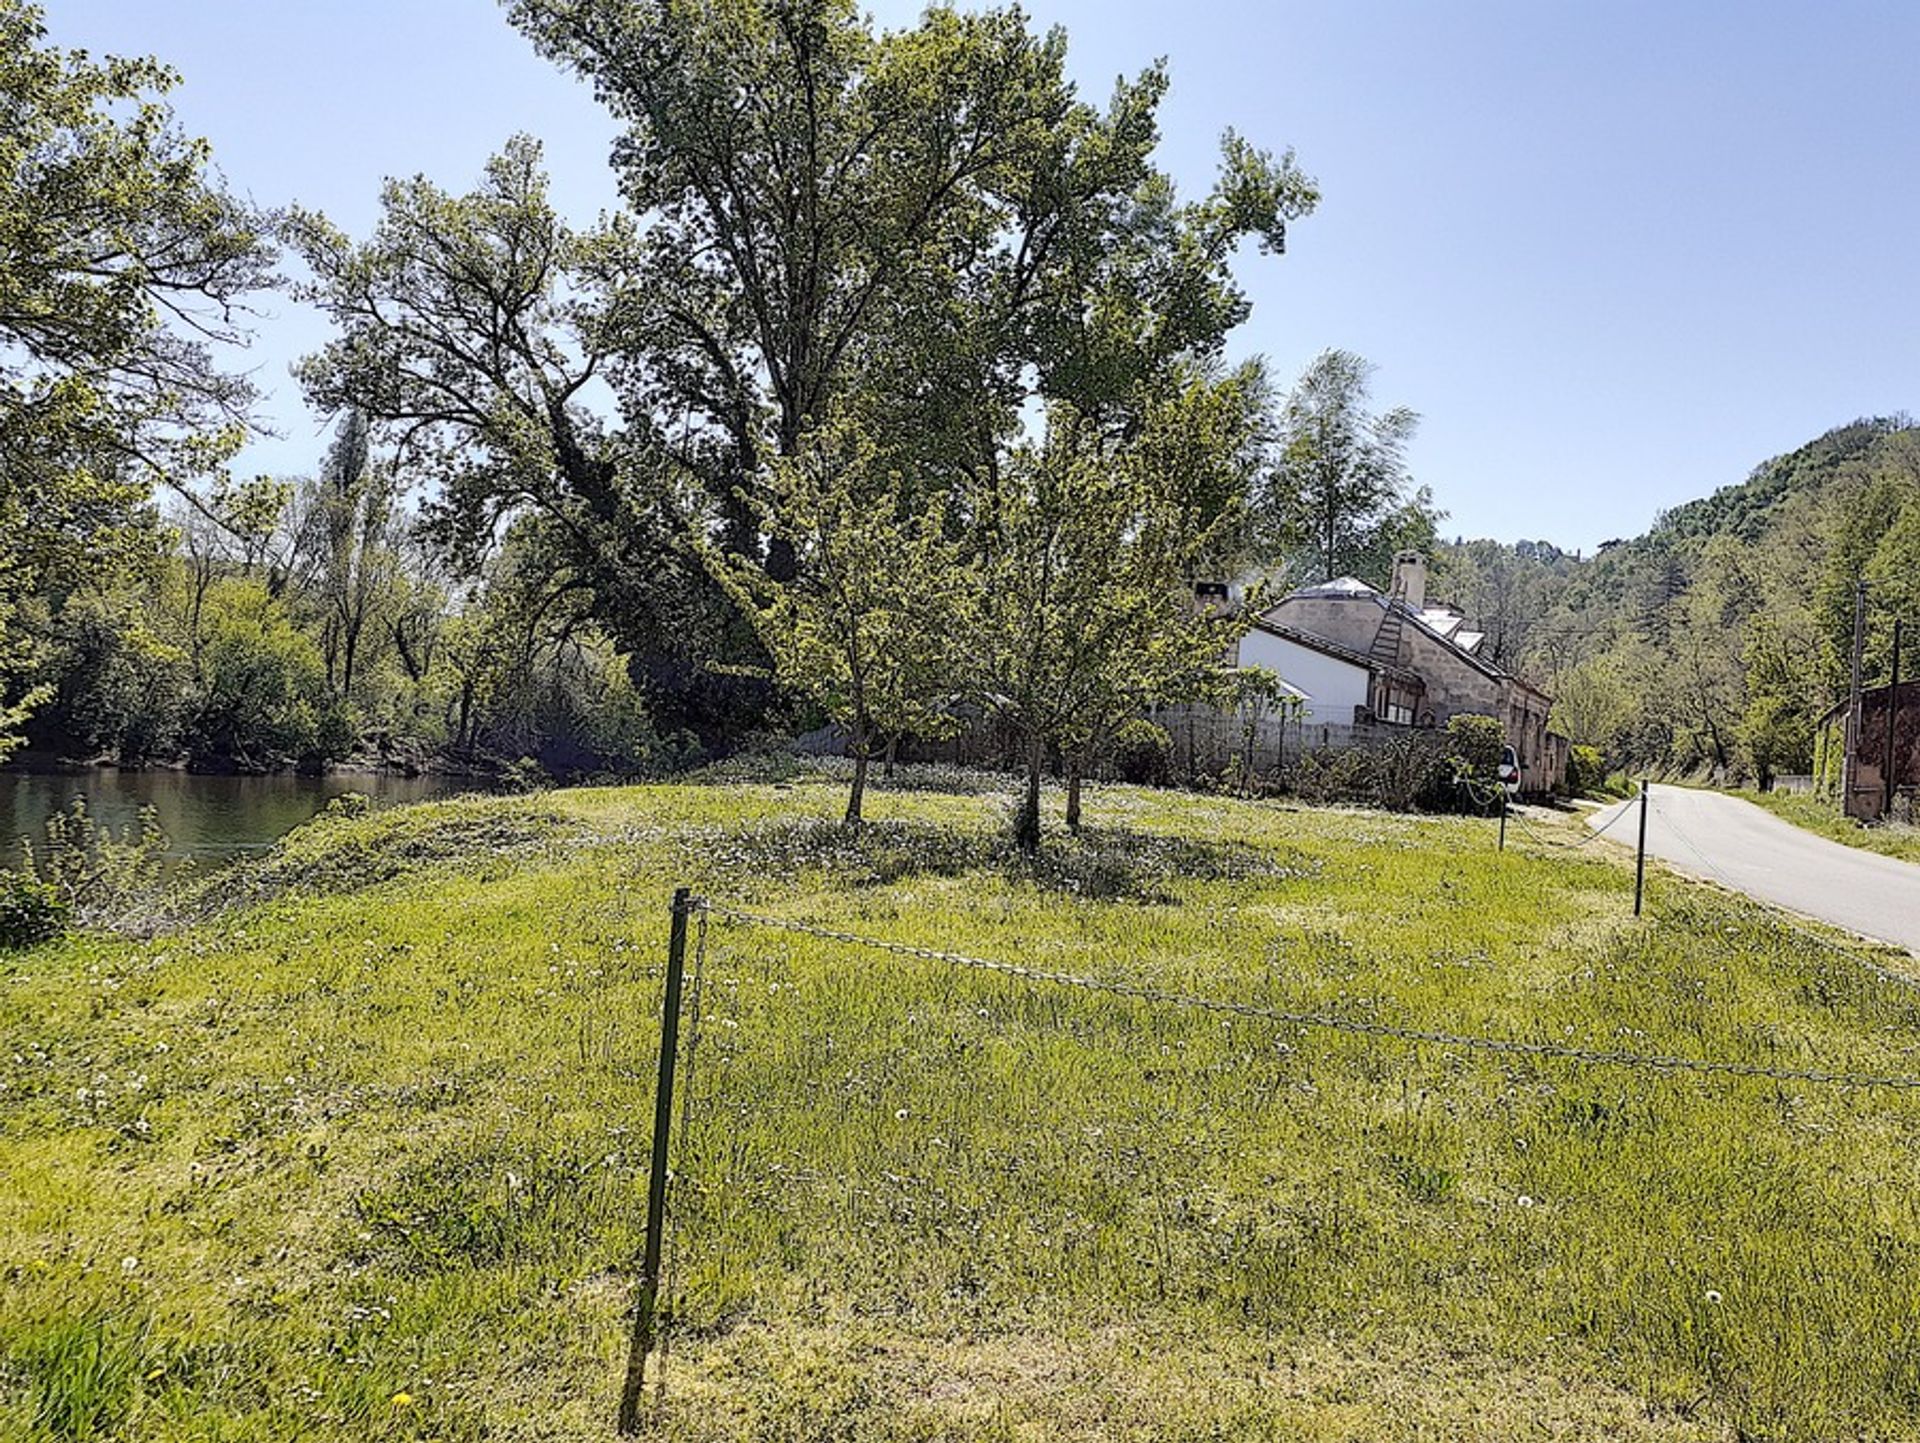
1739 845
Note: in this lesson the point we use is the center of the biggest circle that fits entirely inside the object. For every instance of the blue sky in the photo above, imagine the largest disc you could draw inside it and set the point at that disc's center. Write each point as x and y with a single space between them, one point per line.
1614 253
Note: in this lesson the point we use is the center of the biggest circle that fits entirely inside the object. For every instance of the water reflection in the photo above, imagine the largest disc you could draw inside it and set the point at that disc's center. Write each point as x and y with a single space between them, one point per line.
208 818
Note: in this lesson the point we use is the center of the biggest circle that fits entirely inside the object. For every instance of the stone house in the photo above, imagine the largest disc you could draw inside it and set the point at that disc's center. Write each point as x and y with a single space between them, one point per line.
1423 663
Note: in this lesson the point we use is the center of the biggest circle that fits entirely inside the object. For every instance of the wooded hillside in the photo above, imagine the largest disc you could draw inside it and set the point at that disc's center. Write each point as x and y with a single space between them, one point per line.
1715 640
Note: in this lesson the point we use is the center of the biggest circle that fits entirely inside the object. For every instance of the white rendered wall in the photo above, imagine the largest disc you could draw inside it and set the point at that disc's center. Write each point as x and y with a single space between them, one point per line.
1333 687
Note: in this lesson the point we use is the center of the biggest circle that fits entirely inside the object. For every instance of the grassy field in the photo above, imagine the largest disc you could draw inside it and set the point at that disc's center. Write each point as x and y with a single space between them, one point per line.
363 1155
1894 839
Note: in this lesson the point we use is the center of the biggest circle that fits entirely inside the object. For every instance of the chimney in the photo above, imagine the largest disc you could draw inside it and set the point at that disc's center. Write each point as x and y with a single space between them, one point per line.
1212 598
1410 579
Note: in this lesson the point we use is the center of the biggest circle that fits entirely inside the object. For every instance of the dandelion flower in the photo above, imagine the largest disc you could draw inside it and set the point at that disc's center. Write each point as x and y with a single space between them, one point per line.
401 1400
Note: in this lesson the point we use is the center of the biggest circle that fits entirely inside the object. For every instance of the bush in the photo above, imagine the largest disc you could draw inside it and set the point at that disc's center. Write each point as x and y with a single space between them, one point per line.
99 875
1586 771
524 774
31 911
1475 744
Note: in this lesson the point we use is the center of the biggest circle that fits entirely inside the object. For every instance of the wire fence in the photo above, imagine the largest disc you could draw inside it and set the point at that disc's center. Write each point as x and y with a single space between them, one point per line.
1361 1027
803 1115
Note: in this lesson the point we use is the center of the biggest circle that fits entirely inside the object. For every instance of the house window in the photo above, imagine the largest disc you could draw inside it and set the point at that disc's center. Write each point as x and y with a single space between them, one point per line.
1399 715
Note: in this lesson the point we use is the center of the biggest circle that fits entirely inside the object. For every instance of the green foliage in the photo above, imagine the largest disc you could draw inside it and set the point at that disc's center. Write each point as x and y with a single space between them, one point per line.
869 624
124 263
121 689
99 875
1476 744
1586 771
524 774
1711 646
1339 493
975 239
31 911
1087 550
263 682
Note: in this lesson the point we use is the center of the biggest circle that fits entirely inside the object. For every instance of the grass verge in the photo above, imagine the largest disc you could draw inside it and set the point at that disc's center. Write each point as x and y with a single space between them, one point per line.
1890 839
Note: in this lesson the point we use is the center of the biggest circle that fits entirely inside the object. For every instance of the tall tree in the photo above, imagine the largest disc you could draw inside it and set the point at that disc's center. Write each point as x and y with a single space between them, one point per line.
926 228
122 264
1341 488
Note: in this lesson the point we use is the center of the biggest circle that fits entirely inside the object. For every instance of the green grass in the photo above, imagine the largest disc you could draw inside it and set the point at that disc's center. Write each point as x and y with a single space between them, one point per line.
381 1132
1892 839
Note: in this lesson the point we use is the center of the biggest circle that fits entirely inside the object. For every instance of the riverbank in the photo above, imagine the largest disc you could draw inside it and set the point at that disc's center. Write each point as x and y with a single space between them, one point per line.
364 1155
209 817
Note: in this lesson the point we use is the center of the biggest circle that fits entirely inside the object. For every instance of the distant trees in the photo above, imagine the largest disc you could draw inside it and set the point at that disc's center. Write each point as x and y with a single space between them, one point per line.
1714 643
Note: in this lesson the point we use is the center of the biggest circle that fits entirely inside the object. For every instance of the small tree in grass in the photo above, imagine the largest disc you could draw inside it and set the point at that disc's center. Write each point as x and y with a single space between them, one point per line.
1258 692
1087 550
867 624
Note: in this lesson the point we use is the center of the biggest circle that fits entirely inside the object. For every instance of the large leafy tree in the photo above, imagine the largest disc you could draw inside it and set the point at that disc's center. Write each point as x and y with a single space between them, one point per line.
924 228
123 267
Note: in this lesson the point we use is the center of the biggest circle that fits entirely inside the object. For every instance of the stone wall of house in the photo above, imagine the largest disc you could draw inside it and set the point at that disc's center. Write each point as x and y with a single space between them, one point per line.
1348 622
1454 685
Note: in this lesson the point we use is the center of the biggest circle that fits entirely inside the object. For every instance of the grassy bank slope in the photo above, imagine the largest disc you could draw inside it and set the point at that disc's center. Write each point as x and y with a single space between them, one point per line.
364 1157
1893 840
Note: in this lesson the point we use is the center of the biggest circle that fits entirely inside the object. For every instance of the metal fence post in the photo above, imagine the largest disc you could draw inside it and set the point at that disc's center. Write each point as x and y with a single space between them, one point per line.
1640 862
646 1310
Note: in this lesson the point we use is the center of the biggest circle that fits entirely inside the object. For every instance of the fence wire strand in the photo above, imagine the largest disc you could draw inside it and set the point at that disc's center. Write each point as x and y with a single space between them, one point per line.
1507 1047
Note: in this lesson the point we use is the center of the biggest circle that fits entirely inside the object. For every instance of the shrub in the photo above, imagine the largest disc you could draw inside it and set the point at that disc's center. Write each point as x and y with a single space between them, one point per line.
1475 744
524 774
31 911
100 875
1586 771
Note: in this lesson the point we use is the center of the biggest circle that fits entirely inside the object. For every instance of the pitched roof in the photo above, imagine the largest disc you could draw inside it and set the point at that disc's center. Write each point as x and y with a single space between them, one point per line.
1440 623
1328 648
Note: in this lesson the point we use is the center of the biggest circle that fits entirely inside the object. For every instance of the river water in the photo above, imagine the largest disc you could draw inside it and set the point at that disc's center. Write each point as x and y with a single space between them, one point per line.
208 818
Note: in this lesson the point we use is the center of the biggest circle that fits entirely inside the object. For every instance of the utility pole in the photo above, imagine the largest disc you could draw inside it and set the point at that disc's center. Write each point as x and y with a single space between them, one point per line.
1850 763
1891 711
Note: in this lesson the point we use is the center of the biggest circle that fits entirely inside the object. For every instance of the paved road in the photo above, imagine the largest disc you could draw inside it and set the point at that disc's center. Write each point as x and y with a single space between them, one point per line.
1744 847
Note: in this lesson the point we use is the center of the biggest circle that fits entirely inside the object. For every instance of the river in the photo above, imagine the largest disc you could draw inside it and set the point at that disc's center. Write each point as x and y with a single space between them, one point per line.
211 819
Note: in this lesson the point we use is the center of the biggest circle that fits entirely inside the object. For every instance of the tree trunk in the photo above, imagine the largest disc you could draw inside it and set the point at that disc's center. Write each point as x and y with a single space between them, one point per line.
1073 799
858 791
1026 825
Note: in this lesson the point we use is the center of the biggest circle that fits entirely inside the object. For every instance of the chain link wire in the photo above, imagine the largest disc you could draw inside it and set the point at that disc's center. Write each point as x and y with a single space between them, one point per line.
1505 1047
